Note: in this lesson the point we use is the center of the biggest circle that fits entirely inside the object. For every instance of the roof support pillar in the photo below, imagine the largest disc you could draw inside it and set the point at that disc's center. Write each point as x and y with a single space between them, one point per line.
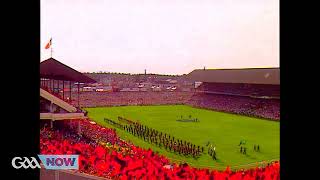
78 95
53 86
59 87
70 91
50 84
63 89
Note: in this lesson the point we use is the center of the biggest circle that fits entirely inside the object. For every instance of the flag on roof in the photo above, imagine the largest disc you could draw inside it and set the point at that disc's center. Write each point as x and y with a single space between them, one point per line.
48 44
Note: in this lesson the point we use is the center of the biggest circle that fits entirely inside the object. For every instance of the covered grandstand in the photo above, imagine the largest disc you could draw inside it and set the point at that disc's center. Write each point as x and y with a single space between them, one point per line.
56 105
251 91
246 75
55 101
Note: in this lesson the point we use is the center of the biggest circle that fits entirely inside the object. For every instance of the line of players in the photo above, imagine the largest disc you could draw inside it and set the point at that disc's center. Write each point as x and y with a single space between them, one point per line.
113 123
127 121
160 139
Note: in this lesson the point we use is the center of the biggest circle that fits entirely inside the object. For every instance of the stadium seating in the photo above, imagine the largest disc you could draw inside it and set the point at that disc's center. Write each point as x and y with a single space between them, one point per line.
242 89
96 99
110 157
263 108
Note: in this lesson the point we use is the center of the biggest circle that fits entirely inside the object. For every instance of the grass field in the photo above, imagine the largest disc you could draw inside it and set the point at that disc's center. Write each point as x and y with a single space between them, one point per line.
223 129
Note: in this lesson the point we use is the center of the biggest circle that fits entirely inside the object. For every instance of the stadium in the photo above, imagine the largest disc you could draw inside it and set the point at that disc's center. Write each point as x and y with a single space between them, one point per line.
207 124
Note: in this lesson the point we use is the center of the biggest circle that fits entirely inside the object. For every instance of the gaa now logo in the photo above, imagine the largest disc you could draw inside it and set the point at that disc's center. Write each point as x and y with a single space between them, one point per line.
48 161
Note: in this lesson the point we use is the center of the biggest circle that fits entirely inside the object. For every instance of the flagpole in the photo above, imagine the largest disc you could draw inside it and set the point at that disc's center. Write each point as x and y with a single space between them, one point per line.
51 47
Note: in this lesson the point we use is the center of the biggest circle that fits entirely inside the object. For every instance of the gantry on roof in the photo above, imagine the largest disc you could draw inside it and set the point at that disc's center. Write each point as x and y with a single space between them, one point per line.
248 76
53 69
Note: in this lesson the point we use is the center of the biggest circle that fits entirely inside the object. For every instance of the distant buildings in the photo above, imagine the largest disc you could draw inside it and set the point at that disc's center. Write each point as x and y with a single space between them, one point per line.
113 82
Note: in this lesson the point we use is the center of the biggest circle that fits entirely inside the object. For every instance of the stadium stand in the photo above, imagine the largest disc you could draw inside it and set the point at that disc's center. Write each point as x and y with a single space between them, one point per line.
54 105
250 92
262 108
95 99
117 159
241 89
247 75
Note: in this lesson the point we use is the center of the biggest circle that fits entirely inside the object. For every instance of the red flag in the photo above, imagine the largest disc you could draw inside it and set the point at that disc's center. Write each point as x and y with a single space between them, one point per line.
48 44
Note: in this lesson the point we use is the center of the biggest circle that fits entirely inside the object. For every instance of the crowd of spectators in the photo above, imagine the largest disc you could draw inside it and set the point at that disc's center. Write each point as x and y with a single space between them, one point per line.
263 108
242 89
244 105
96 99
91 131
111 158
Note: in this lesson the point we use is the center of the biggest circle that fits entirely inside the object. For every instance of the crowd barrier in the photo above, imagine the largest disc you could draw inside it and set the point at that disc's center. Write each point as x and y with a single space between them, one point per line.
65 175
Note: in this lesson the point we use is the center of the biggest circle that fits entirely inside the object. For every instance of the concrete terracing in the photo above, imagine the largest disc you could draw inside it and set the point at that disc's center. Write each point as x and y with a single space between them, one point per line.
70 112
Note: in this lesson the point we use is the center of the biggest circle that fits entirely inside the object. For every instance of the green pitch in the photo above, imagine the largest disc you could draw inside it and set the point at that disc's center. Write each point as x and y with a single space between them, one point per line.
222 129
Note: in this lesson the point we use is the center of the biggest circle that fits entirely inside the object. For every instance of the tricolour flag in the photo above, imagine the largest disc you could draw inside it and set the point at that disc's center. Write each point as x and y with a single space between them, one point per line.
48 44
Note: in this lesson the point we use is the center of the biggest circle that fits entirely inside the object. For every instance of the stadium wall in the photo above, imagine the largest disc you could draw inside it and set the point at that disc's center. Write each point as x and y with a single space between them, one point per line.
65 175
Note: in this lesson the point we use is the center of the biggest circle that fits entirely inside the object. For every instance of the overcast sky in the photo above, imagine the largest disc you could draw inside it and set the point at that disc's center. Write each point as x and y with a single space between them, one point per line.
162 36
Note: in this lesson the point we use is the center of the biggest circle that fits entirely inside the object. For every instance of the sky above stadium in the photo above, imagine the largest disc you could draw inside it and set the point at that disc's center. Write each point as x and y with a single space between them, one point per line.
162 36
